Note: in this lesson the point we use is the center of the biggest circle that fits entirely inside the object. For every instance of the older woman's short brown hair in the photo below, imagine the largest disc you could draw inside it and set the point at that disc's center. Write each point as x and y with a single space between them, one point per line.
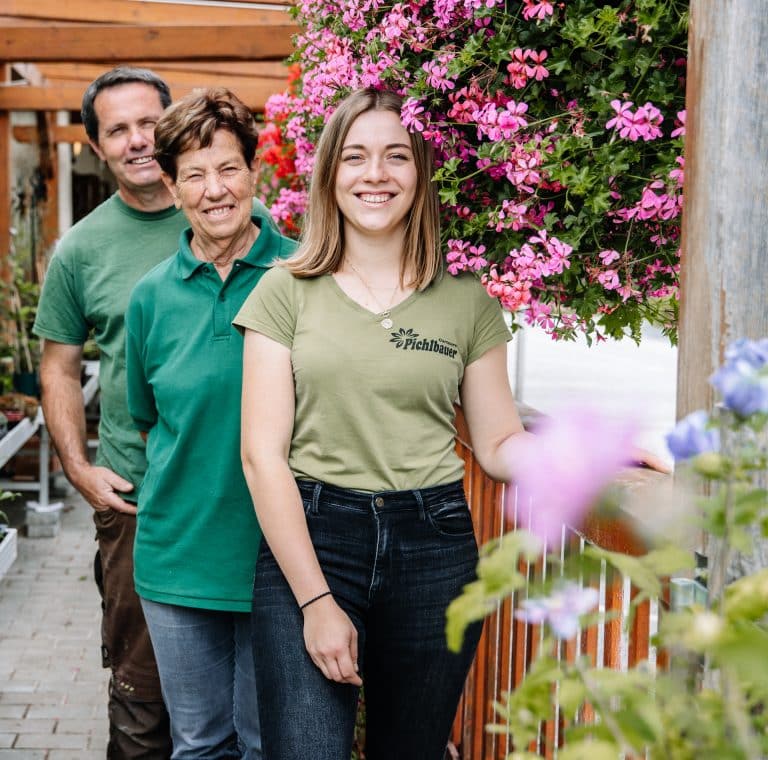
190 123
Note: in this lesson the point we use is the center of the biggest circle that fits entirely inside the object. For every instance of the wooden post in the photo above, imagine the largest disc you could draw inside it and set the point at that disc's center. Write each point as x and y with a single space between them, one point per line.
724 292
5 192
5 184
725 223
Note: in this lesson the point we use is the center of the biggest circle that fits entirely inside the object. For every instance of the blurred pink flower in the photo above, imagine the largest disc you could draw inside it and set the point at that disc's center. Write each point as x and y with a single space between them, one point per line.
562 469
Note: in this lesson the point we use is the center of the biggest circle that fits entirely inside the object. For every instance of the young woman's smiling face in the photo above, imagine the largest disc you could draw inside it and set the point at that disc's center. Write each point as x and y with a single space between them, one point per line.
376 178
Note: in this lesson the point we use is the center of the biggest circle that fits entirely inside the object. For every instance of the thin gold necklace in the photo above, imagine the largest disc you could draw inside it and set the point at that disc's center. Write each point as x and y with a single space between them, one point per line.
385 313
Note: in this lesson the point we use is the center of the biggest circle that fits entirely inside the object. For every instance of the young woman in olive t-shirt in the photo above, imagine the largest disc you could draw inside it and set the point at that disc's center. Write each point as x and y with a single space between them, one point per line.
355 352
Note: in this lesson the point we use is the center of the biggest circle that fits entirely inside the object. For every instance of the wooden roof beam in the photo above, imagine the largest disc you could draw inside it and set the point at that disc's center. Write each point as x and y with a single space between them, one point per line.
199 74
117 44
135 12
69 97
58 133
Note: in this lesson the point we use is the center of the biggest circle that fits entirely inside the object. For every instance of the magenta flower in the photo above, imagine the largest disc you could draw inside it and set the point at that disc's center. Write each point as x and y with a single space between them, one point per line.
623 110
562 470
679 124
609 256
411 115
538 71
609 279
538 9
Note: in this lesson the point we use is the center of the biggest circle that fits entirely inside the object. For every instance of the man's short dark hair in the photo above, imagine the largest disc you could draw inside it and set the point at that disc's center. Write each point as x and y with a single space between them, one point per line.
117 76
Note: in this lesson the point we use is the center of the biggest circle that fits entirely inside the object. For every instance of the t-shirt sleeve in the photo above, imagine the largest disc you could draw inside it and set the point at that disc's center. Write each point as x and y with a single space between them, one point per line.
60 315
490 329
140 398
270 309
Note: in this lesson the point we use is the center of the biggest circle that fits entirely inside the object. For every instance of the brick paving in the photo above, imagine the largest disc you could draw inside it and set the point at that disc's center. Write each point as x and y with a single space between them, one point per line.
52 686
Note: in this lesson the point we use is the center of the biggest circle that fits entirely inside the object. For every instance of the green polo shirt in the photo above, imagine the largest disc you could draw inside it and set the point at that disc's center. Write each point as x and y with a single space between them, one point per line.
86 288
197 536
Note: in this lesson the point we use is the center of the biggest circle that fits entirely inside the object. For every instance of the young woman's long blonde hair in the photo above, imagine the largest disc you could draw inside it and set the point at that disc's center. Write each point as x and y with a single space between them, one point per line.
321 248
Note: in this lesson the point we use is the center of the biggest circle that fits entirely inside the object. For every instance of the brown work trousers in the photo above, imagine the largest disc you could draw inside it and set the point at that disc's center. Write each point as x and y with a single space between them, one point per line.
138 721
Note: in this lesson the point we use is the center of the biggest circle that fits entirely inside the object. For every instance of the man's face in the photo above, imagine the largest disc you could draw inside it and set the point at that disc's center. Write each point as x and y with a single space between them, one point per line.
127 114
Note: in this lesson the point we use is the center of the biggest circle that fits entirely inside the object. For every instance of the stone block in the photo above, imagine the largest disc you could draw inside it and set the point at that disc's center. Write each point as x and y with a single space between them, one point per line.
43 522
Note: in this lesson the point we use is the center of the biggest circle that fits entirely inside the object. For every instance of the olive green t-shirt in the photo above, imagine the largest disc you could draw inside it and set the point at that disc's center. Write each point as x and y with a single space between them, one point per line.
374 406
197 537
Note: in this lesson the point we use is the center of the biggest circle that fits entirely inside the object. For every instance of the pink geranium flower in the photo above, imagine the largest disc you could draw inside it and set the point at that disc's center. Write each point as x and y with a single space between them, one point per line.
564 467
538 9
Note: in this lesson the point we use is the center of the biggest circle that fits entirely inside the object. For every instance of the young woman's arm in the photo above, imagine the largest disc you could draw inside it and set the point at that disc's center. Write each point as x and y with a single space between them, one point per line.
267 425
494 424
489 408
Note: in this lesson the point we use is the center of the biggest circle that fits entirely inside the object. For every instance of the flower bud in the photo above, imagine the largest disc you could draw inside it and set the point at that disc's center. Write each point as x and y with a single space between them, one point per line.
705 630
709 464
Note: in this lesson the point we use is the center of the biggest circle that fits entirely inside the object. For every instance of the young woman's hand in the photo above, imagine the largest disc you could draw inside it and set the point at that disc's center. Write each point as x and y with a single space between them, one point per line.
331 640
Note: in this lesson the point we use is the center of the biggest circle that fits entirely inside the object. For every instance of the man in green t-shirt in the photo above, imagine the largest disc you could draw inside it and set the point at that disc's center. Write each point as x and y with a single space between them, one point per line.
86 289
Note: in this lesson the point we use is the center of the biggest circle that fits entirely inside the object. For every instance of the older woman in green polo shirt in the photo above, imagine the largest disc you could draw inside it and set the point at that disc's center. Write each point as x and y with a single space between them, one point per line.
197 536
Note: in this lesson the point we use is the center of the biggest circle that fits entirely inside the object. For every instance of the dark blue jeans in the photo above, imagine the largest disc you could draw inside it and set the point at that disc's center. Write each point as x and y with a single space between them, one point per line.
394 561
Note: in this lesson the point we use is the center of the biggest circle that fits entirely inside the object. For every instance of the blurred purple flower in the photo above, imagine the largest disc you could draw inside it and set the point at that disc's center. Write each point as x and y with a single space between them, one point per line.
743 380
561 610
691 437
754 352
564 467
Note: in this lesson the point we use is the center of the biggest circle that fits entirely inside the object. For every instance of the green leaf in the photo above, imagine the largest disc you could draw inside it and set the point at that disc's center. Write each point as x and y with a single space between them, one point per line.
571 694
669 559
591 750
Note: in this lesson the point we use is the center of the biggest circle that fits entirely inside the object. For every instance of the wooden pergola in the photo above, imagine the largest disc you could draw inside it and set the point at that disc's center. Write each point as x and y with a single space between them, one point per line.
50 50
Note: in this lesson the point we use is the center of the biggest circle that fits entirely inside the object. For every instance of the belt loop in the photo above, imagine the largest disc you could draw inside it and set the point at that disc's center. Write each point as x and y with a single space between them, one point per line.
420 503
316 498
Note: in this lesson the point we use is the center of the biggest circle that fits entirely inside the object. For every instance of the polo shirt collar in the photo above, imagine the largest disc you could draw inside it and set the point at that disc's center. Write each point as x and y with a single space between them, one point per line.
263 251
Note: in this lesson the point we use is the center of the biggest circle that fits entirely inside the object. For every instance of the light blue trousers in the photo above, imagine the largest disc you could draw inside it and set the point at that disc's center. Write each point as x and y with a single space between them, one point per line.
206 675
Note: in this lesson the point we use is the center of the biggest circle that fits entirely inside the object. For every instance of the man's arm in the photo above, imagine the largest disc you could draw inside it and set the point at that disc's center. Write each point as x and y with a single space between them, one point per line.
62 398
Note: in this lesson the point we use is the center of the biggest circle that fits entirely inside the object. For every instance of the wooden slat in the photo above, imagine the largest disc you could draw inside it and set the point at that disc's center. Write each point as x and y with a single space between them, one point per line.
176 71
5 192
639 639
185 80
69 98
133 12
69 133
113 43
614 598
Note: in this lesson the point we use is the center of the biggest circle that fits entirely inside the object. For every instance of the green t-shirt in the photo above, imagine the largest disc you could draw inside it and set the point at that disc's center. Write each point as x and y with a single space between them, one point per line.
197 537
96 264
87 285
374 406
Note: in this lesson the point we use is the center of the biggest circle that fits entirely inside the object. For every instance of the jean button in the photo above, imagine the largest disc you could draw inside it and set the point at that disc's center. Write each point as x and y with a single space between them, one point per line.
379 501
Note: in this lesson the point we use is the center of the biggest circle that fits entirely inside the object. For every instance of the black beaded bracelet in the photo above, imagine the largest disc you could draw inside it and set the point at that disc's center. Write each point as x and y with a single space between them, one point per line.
314 599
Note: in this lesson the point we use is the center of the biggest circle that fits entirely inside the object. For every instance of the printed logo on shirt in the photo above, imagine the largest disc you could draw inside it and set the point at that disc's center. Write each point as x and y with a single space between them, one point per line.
408 340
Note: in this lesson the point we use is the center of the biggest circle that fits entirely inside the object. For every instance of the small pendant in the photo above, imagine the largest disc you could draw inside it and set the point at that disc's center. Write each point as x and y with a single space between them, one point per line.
386 323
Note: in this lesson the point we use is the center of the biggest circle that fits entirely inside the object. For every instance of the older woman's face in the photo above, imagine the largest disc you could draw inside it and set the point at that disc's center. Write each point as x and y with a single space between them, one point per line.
214 187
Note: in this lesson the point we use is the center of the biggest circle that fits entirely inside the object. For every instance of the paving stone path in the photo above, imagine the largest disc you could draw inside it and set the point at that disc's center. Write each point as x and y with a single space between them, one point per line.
52 686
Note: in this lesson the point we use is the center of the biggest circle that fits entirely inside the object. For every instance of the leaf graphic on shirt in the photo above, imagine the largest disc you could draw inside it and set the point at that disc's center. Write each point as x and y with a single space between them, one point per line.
401 336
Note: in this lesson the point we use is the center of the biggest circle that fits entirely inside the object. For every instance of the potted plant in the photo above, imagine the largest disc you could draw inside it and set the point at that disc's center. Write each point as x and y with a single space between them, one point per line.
23 296
8 537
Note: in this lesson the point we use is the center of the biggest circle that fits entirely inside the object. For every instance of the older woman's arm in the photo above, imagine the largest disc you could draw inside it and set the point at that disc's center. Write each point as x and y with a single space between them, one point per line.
267 425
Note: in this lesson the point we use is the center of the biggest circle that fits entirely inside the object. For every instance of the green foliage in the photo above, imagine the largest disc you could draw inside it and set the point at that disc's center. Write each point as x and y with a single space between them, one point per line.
711 702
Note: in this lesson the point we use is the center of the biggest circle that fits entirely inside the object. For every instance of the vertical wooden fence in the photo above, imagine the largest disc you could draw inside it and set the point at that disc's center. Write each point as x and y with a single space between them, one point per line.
508 646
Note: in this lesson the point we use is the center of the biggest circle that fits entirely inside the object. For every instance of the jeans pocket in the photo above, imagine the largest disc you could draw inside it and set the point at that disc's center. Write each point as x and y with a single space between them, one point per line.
452 519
